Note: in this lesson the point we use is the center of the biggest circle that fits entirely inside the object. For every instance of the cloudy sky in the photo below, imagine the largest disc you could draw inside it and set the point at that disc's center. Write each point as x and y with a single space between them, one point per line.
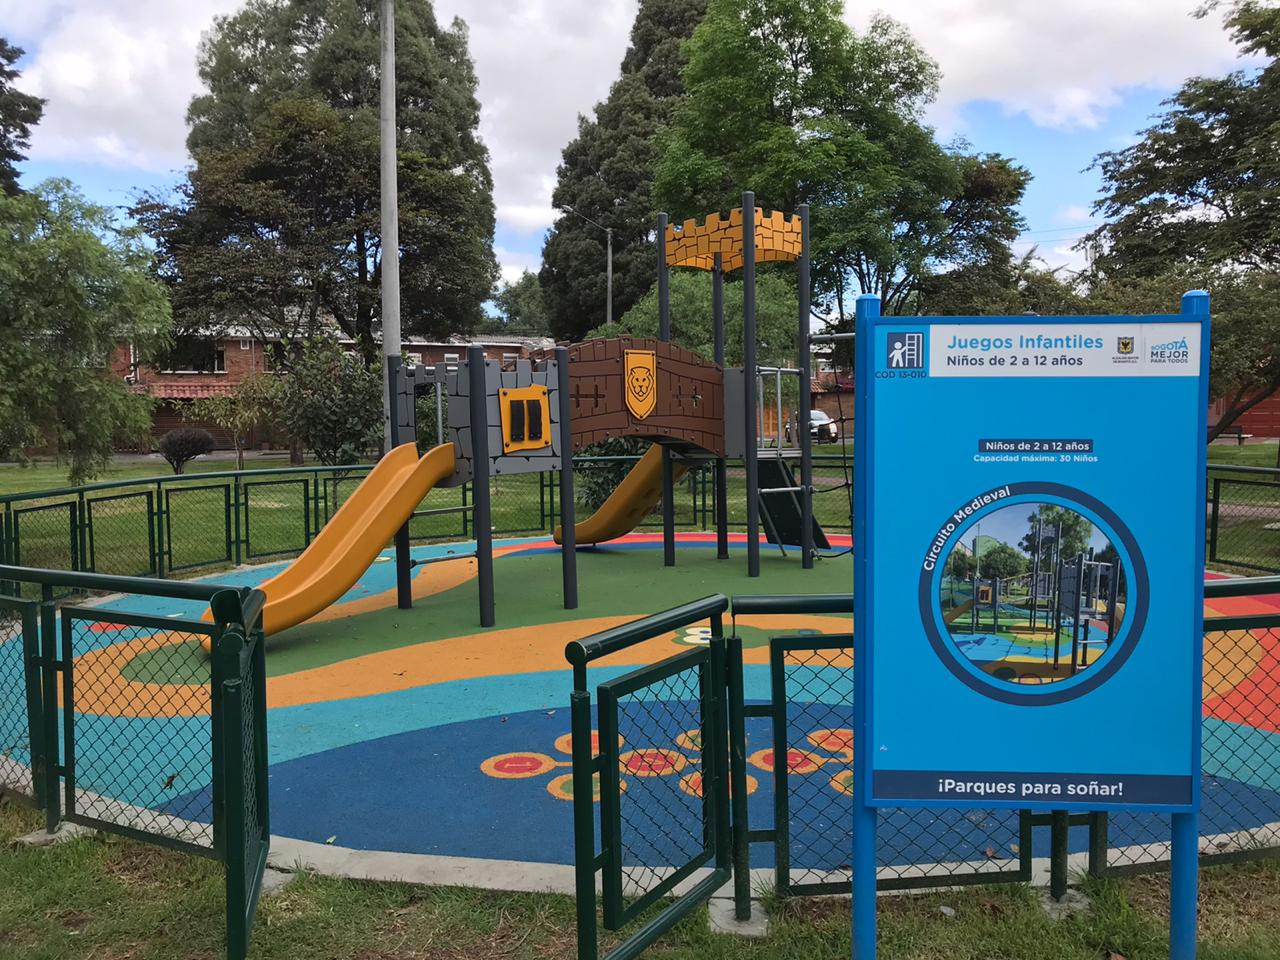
1051 84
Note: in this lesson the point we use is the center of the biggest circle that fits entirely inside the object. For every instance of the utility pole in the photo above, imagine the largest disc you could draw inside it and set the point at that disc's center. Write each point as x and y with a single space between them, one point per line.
391 339
608 232
608 309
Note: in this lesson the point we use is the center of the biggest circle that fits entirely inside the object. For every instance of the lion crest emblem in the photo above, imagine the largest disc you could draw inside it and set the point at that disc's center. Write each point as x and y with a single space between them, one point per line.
641 382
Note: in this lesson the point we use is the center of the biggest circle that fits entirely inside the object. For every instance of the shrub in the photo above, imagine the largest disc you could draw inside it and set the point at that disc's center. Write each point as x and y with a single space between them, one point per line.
183 445
332 404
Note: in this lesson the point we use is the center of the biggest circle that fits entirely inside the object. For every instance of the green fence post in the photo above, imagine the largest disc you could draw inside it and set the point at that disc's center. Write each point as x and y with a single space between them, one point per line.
235 512
584 830
1098 840
161 519
229 775
80 528
32 671
1059 828
781 797
738 782
1213 519
722 825
49 706
1026 840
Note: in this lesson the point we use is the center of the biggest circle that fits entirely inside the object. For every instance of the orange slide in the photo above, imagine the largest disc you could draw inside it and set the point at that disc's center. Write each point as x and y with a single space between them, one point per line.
628 505
346 545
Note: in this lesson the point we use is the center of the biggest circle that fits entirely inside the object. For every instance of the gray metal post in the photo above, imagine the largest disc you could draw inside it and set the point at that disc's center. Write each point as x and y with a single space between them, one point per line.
806 396
777 389
750 451
390 229
568 532
608 309
722 468
1035 574
404 574
390 187
664 334
481 515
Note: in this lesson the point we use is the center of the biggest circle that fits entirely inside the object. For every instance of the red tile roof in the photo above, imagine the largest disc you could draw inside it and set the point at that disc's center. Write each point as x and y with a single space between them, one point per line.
184 391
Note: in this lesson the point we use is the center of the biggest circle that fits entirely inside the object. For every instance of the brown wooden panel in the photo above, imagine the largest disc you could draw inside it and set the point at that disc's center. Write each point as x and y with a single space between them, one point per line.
689 406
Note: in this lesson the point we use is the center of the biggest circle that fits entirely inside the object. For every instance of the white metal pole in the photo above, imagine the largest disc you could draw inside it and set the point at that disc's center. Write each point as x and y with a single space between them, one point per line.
609 307
391 339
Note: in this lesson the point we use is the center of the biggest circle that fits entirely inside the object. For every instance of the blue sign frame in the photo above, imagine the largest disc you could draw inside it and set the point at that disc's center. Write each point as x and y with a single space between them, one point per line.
959 419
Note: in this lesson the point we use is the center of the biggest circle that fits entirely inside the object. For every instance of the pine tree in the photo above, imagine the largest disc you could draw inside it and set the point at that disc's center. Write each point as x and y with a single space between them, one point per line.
606 174
19 112
278 224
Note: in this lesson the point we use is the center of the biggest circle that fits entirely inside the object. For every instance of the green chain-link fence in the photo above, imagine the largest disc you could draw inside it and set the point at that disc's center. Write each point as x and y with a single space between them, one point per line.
96 734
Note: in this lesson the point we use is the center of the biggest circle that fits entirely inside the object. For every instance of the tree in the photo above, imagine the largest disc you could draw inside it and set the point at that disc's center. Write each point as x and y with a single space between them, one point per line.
19 112
1002 562
606 174
961 565
777 324
74 285
179 447
784 98
1244 364
1075 529
254 403
1002 286
522 309
1192 204
1198 186
331 402
282 206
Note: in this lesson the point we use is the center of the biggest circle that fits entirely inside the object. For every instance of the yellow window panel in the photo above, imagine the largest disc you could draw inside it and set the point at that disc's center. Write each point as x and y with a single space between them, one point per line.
526 418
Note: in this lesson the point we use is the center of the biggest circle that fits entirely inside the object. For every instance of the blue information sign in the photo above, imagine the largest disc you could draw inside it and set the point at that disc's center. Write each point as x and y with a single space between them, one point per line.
1035 527
1029 535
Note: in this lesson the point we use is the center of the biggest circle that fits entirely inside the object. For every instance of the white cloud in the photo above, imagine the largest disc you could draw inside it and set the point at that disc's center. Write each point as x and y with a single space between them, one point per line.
118 76
1061 64
119 73
513 263
540 63
1074 215
527 218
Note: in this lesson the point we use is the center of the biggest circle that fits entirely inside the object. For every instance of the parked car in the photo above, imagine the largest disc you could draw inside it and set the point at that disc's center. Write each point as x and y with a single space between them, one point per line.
821 428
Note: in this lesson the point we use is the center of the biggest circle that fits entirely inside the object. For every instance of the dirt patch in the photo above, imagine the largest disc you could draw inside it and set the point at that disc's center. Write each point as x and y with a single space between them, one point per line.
137 865
74 920
1234 901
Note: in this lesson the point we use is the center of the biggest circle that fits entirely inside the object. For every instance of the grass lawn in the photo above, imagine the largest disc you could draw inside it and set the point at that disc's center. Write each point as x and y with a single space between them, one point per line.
280 513
47 475
106 898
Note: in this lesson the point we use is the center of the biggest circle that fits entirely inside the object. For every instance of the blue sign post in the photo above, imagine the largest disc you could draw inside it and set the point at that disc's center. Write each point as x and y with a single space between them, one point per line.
1029 557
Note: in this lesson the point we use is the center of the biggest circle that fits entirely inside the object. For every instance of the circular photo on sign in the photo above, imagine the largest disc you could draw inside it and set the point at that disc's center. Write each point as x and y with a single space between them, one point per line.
1033 596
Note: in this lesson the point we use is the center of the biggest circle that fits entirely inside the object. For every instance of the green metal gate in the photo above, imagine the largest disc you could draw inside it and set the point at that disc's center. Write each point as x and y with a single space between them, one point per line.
201 788
659 766
21 699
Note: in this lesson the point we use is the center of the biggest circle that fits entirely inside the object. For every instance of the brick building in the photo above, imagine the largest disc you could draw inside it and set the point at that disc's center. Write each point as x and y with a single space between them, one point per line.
204 367
1261 421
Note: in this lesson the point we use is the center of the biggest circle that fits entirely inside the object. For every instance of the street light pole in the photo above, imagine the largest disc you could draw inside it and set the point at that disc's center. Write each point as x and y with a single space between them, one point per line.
391 341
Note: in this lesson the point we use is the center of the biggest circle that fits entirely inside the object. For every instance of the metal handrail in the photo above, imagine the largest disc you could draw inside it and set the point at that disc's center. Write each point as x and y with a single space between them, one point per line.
1273 472
146 586
581 652
177 478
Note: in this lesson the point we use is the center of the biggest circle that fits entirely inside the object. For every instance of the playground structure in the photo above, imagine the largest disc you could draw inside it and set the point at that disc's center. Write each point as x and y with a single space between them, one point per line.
533 418
1047 624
